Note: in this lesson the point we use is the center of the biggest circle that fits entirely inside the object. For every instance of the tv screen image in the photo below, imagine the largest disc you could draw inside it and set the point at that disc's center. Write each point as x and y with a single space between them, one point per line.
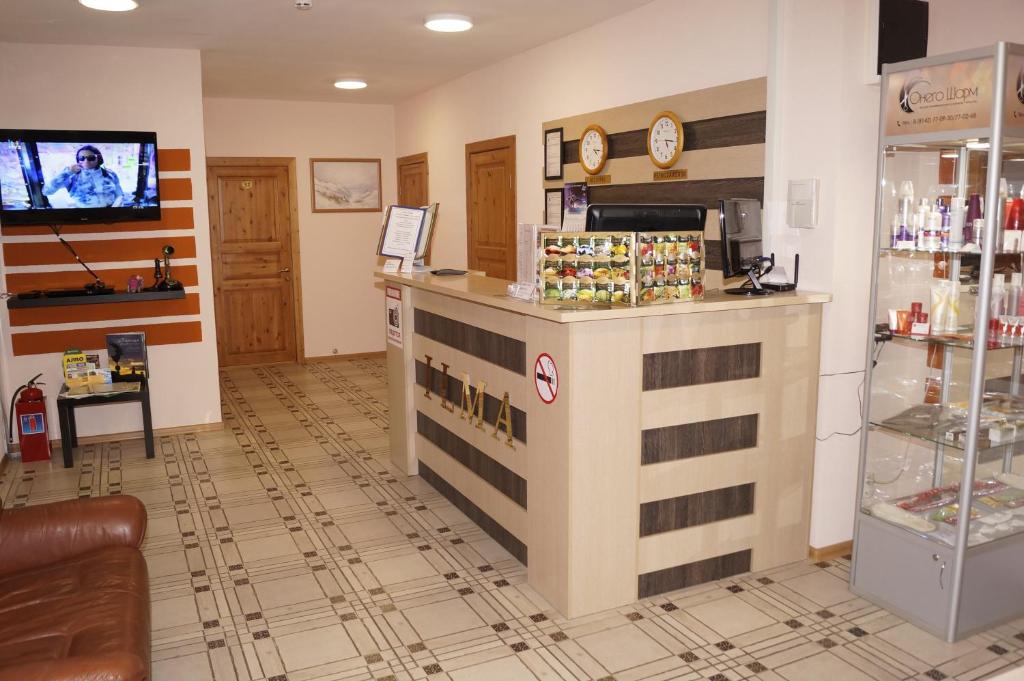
55 177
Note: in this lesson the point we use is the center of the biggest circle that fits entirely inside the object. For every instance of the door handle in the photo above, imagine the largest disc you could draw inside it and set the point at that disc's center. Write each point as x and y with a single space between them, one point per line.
285 269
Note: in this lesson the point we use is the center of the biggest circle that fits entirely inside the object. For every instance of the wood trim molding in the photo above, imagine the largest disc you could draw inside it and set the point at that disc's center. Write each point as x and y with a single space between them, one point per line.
832 552
355 355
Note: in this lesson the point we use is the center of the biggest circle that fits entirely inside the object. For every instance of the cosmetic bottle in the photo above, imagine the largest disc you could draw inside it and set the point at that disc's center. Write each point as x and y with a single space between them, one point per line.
996 302
946 230
973 213
906 201
957 215
1013 295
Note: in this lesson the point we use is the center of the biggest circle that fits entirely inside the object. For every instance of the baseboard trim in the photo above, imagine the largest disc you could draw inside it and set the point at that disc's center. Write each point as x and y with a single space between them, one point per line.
136 434
830 552
357 355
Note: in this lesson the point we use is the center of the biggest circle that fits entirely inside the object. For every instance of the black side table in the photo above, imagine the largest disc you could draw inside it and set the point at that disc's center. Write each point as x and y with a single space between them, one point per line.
66 414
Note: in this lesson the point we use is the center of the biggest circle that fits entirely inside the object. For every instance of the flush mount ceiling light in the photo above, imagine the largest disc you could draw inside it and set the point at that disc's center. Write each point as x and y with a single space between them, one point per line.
448 23
350 84
110 5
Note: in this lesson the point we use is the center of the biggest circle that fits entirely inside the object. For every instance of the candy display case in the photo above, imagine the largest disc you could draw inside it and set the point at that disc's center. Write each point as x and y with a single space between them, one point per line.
583 269
939 532
670 267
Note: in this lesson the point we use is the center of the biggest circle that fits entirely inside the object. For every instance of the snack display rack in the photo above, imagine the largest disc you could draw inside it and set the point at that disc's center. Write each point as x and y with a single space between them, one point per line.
600 269
939 529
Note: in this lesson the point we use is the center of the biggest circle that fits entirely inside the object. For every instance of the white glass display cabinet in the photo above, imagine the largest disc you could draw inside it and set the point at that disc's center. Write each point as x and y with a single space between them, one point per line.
939 536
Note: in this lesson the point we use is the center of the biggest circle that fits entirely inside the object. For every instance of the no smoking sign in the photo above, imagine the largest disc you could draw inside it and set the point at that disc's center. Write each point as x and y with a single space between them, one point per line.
546 378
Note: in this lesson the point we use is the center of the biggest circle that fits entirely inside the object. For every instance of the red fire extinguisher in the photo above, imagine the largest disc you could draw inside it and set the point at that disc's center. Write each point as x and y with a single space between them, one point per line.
31 411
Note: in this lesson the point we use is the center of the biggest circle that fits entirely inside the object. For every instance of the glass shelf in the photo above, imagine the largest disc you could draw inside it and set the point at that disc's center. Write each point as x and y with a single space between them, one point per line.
958 340
1002 415
938 251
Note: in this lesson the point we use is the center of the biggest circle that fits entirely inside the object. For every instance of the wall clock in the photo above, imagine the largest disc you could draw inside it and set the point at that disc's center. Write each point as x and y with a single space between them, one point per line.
593 149
665 139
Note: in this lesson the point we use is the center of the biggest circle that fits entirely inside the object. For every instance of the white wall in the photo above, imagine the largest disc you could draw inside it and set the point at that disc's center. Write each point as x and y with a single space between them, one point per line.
106 88
958 25
342 309
660 49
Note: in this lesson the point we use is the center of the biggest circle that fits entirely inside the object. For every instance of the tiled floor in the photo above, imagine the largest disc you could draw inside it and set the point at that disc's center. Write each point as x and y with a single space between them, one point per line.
286 548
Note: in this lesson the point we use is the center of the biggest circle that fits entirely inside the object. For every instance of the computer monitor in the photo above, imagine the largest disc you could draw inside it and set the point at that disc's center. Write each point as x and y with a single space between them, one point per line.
740 224
646 217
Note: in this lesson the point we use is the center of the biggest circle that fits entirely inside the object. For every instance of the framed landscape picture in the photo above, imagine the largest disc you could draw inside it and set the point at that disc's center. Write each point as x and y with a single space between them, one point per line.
345 185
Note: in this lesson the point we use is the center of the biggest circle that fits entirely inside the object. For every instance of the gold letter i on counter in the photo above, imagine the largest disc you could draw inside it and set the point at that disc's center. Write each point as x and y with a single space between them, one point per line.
504 419
430 378
474 408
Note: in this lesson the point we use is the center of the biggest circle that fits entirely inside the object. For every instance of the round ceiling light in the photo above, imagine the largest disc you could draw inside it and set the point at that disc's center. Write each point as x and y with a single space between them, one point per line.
110 5
350 84
448 23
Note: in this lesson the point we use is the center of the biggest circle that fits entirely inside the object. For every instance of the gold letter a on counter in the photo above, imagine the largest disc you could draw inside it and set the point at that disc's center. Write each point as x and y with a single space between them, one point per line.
473 408
504 419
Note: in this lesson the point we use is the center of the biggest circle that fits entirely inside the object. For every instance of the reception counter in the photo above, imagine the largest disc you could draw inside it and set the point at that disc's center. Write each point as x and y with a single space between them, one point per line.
618 453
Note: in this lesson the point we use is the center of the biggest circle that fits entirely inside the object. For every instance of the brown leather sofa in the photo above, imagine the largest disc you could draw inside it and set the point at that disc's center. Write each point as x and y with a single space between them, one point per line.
74 593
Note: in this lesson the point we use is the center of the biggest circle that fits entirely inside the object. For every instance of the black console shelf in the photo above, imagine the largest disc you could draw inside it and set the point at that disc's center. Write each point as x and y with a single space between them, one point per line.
13 303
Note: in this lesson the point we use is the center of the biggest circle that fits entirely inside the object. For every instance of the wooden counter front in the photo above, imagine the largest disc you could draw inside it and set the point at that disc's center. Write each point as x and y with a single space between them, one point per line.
678 448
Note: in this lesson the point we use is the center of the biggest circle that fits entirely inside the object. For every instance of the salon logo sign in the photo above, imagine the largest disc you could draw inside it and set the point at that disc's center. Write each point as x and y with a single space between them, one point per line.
941 98
1014 106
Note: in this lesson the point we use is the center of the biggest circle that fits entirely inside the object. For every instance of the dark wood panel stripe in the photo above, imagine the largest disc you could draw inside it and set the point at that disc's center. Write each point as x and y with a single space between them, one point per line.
43 342
509 541
110 250
178 217
104 311
490 471
690 574
701 365
175 188
506 352
77 278
689 440
709 133
701 508
706 192
174 159
453 392
712 249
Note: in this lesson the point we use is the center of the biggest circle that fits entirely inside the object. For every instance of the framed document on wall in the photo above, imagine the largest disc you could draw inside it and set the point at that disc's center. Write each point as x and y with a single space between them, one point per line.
553 158
553 207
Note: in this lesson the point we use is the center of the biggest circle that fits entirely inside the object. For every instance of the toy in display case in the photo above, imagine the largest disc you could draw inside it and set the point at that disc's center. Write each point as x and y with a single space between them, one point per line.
582 269
670 267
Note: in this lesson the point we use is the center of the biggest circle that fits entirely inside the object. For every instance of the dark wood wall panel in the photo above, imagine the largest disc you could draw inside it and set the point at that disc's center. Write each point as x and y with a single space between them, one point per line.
701 365
503 351
493 473
453 392
702 508
691 574
705 192
509 541
709 133
688 440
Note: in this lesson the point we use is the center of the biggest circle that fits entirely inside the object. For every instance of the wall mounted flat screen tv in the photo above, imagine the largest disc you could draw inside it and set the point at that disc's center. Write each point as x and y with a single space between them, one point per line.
645 217
54 177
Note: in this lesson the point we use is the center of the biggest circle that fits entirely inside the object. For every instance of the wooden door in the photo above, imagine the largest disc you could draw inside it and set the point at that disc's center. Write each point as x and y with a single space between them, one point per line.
413 180
491 206
251 242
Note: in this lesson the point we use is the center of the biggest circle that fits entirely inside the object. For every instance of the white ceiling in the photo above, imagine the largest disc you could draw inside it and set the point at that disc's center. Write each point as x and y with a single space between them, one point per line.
268 49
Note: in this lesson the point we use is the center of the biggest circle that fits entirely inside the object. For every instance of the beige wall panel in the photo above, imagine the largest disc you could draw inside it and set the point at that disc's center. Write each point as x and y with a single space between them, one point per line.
699 474
483 439
723 100
551 435
792 326
669 549
675 406
495 504
498 379
702 164
480 316
400 393
605 380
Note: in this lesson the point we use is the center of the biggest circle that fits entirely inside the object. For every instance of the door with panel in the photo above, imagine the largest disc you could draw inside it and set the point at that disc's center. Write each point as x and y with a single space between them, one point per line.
491 206
251 243
413 185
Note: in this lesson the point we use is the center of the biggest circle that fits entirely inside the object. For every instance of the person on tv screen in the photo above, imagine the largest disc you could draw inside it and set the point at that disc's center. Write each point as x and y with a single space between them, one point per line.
89 184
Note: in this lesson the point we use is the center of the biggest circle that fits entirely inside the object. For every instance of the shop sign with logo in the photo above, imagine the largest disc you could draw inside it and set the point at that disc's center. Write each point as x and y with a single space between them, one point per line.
942 98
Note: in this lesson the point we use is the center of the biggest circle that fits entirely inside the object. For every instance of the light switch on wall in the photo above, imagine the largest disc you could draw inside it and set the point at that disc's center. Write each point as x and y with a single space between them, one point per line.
802 204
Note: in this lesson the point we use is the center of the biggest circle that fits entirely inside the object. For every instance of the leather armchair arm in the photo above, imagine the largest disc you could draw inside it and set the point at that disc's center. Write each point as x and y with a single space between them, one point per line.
103 667
40 535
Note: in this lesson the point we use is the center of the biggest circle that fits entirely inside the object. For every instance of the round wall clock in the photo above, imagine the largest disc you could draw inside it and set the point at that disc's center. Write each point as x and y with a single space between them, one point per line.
593 149
665 139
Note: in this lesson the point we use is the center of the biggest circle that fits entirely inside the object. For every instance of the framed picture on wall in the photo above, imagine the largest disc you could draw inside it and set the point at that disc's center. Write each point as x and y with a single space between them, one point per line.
553 205
345 185
553 158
